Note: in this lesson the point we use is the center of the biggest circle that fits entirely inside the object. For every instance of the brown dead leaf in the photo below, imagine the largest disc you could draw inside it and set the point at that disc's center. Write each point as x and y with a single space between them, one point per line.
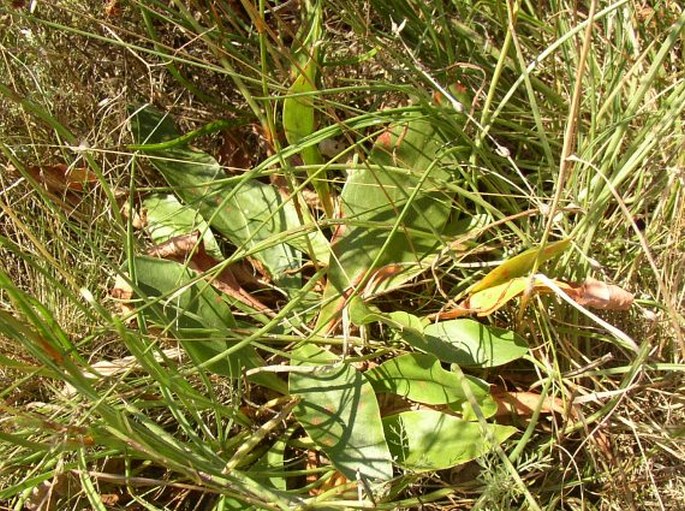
110 499
524 403
123 293
236 152
112 8
138 217
600 295
60 178
187 249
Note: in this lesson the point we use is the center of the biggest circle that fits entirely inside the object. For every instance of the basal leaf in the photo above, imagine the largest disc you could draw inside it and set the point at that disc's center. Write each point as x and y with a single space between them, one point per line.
395 210
167 218
248 213
339 411
519 265
469 343
299 114
198 316
420 377
428 440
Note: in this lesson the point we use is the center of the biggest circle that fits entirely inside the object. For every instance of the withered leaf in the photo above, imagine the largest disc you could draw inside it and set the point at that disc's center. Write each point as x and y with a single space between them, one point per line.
524 403
187 249
600 295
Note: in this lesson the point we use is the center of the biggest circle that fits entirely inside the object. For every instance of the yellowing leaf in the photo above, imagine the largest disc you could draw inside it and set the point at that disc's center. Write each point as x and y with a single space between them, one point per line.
519 265
489 300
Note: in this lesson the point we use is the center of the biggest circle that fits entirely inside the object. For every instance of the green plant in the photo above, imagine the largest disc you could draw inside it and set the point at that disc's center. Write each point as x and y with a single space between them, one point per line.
327 186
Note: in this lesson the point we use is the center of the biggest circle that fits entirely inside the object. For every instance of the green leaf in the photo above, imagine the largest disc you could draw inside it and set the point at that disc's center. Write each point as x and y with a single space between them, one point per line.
198 316
469 343
420 377
428 440
299 114
249 213
395 210
362 314
167 218
339 411
272 461
519 265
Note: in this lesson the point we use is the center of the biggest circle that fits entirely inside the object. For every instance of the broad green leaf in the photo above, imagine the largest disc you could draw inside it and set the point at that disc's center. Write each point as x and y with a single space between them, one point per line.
469 343
409 322
394 275
198 316
412 375
167 218
339 411
405 325
428 440
395 210
362 314
519 265
420 377
254 213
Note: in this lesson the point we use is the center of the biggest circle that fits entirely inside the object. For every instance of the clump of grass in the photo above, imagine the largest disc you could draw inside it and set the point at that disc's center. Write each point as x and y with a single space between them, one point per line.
162 429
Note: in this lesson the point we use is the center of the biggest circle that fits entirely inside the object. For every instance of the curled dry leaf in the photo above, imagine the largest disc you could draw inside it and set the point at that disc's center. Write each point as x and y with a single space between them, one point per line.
600 295
188 249
591 293
60 178
524 403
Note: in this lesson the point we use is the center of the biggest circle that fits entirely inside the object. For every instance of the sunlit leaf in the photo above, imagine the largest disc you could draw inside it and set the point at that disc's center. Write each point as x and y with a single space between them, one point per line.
427 440
420 377
396 210
489 300
469 343
339 411
519 265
